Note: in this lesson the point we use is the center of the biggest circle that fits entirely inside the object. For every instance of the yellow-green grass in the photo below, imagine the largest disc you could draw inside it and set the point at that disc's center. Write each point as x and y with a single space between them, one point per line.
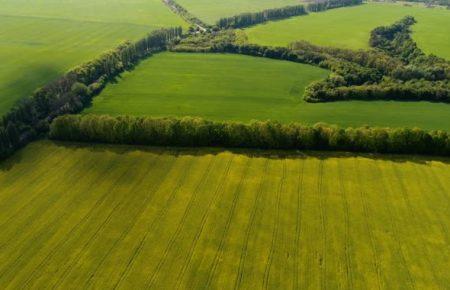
350 27
41 39
129 217
244 88
212 10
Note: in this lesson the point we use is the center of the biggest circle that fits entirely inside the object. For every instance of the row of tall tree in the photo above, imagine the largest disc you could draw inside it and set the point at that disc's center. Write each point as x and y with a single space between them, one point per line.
322 5
74 90
248 19
259 134
183 12
414 90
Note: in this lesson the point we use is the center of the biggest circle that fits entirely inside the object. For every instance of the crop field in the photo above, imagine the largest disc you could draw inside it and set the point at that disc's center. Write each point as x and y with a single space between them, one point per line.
127 217
40 39
244 88
350 27
212 10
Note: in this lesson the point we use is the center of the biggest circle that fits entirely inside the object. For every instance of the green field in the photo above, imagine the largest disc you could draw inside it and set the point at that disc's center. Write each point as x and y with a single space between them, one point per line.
212 10
244 88
40 39
103 216
350 27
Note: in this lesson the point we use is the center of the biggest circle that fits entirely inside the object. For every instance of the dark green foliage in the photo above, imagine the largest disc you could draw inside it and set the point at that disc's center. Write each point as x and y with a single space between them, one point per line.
409 73
396 40
249 19
207 42
322 5
74 90
414 90
264 135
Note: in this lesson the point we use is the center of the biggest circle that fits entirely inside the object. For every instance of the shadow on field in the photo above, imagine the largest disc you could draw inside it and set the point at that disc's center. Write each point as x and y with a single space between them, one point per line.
251 153
8 163
28 79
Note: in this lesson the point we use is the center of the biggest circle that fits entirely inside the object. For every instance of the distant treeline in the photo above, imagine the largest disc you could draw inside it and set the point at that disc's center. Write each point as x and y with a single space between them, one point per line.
73 91
249 19
178 9
331 4
259 134
432 2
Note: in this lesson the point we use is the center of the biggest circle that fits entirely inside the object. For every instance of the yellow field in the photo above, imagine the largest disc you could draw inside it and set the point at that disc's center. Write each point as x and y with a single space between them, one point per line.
105 217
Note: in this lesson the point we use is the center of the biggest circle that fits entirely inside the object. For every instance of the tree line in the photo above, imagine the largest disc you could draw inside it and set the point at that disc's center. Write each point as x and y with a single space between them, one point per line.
249 19
185 14
74 90
258 134
322 5
413 90
396 69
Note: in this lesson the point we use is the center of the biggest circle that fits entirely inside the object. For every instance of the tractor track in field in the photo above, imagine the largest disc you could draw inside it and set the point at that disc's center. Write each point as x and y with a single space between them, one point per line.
160 214
192 199
72 264
276 230
36 196
145 203
219 252
51 224
298 224
323 225
73 229
413 217
21 175
375 253
394 228
41 233
249 228
447 203
439 184
39 213
218 193
348 259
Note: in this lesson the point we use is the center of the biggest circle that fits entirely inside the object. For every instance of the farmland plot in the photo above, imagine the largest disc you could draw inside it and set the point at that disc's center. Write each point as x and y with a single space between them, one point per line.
350 27
41 39
244 88
129 217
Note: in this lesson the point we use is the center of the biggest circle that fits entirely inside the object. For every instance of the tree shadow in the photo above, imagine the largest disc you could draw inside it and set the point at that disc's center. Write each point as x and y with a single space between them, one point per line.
251 153
26 81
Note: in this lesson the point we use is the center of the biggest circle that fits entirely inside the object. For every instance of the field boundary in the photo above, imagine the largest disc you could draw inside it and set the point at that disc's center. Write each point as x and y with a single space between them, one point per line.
197 132
248 19
186 15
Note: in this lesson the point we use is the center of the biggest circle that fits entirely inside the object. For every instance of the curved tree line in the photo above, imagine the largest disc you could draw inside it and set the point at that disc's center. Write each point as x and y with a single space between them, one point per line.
258 134
411 76
374 74
74 90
